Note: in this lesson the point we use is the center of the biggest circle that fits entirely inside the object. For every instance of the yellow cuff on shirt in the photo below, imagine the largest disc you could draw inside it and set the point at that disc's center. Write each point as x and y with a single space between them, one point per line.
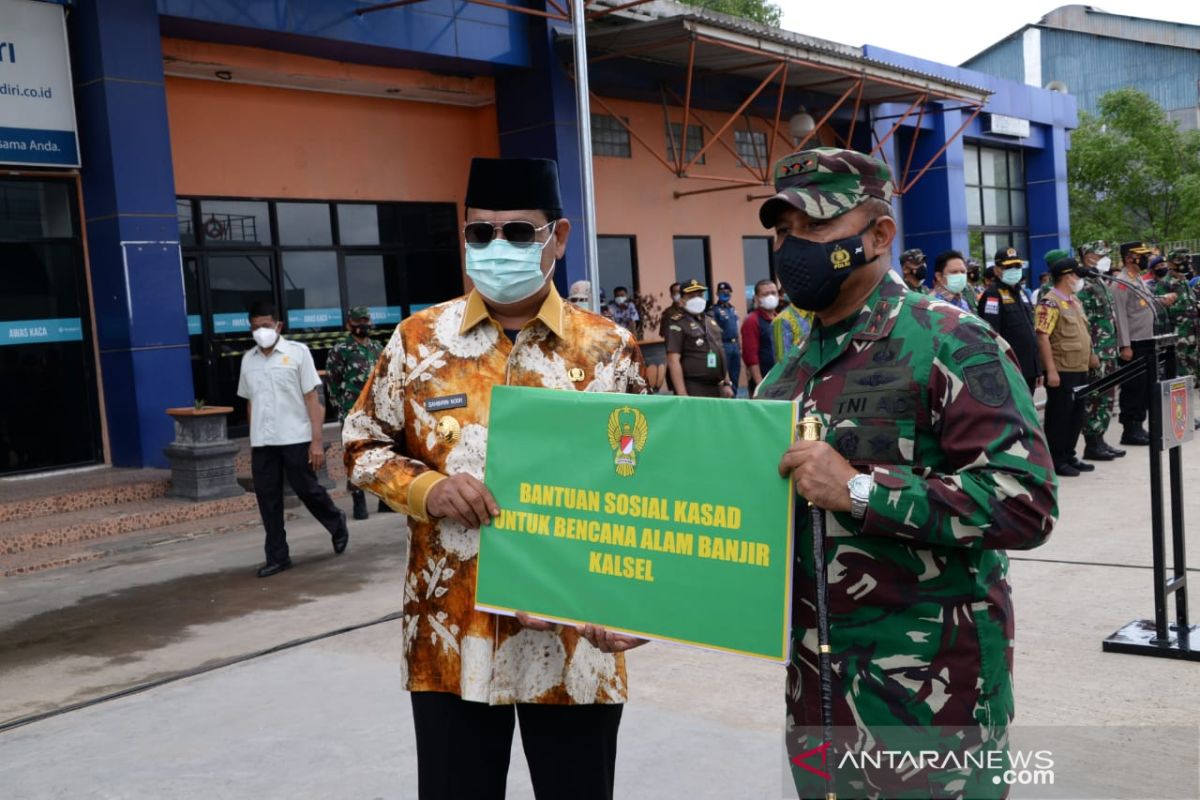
418 492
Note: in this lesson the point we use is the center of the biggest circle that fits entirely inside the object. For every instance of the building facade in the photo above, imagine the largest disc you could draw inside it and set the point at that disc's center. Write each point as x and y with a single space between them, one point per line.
315 153
1089 52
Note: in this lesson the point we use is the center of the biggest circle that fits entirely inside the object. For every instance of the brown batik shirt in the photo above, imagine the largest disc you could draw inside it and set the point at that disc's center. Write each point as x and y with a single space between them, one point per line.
443 362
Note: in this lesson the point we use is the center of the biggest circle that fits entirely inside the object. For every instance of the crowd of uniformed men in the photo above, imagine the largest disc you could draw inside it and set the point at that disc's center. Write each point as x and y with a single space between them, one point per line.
1077 327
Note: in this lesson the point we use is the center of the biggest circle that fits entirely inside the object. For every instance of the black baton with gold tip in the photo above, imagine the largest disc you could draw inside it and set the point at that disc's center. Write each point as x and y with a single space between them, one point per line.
809 429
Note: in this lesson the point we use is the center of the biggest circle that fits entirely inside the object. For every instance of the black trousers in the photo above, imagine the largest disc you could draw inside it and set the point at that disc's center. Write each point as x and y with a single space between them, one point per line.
269 465
1134 403
1064 417
463 748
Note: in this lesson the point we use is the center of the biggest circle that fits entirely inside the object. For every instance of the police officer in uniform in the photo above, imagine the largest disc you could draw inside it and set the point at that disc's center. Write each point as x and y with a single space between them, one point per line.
912 267
1065 342
1135 320
1007 309
671 315
727 317
695 352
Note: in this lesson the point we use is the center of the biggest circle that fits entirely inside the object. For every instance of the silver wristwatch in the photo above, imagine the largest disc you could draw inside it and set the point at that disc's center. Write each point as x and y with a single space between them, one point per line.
860 494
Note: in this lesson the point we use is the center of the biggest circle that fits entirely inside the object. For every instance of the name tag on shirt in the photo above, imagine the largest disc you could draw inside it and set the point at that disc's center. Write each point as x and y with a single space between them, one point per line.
992 306
712 361
445 403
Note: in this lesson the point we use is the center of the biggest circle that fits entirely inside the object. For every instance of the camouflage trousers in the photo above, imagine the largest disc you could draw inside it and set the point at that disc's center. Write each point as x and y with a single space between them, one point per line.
1098 409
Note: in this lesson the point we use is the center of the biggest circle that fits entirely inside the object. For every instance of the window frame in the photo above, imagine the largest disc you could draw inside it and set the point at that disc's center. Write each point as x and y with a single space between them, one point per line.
1012 192
688 153
617 127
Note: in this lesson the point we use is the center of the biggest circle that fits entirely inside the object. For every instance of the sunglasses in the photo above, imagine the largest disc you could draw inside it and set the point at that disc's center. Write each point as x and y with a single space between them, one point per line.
579 301
521 234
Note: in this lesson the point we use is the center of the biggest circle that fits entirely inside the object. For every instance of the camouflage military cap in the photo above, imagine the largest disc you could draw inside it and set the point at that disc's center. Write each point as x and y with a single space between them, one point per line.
359 312
693 286
1099 247
825 183
914 254
1179 255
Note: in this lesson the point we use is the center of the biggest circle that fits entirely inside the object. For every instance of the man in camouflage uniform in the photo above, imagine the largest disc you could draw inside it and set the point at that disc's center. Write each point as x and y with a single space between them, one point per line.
914 270
933 464
1185 311
349 365
1097 302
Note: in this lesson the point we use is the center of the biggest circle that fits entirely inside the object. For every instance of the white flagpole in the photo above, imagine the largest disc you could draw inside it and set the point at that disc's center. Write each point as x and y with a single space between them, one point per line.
583 111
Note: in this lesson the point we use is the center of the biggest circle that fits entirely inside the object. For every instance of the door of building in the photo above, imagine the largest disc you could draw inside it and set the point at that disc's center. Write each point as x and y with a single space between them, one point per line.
49 398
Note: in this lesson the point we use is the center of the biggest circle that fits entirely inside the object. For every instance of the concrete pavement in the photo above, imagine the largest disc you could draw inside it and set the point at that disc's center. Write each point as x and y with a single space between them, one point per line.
328 719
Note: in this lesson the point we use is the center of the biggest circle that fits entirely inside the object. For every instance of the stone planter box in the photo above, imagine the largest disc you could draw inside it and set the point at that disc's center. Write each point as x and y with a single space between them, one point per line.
202 457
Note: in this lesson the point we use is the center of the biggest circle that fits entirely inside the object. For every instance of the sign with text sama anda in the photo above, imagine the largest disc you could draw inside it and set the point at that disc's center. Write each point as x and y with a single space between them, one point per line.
663 517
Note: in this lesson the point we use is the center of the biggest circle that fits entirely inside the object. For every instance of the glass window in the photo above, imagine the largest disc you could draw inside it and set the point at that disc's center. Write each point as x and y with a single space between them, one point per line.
1016 169
358 223
751 146
995 194
303 224
609 137
1017 199
187 231
432 277
995 207
235 223
234 284
971 165
756 264
993 167
691 259
618 264
35 210
695 142
311 291
376 281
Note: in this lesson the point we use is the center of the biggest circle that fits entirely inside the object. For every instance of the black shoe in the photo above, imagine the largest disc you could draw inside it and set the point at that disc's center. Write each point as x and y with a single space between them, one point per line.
360 505
1082 466
342 537
274 569
1096 450
1135 436
1066 470
1116 451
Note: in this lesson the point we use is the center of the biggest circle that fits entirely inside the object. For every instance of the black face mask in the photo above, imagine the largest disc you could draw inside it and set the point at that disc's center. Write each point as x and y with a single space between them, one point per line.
1160 272
973 276
361 331
812 273
1142 262
919 273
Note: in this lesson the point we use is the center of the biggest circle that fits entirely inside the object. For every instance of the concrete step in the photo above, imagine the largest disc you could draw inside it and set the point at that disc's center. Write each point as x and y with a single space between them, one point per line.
59 494
97 523
52 557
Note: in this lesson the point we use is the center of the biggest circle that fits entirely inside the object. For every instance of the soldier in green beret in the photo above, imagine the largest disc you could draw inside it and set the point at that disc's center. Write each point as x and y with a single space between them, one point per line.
932 465
349 365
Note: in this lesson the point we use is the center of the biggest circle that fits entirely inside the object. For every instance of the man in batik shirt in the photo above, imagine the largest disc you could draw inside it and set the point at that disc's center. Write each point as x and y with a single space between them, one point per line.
417 437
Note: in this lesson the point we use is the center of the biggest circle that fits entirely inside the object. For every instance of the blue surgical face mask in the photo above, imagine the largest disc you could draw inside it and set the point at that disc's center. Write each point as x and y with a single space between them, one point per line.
724 297
505 273
956 283
1012 276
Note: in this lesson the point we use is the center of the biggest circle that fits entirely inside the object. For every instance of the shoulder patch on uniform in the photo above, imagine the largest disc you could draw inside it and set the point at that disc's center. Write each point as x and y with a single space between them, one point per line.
992 306
963 353
987 383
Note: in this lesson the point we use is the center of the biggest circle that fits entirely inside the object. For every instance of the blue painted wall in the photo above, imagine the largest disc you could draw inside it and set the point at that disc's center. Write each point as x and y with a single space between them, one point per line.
129 205
935 210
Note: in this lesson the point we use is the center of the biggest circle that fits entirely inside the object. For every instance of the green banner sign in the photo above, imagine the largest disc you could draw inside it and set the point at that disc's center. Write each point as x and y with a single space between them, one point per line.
663 517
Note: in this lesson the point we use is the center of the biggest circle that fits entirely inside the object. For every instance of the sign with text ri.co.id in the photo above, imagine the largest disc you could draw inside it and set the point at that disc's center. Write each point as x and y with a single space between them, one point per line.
663 517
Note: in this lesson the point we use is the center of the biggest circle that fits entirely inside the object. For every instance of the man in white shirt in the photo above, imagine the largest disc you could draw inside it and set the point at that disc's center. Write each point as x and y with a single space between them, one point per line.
279 382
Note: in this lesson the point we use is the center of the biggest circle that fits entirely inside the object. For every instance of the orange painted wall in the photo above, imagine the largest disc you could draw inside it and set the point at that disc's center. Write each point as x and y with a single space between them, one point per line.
252 141
635 197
